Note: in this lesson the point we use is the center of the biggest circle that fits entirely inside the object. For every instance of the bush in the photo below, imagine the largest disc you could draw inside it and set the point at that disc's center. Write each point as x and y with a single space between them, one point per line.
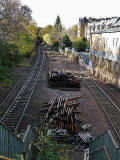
66 42
55 45
82 46
14 54
81 43
9 53
4 72
51 150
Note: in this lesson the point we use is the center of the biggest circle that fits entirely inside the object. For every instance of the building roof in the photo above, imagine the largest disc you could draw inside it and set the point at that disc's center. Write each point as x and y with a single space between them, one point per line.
91 19
112 29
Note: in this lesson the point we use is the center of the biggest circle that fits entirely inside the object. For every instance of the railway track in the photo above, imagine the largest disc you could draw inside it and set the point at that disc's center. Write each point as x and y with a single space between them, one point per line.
10 97
15 112
111 110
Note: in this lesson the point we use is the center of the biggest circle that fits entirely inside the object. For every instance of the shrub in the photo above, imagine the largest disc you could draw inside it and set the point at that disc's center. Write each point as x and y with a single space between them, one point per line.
81 43
51 150
66 42
82 46
55 45
4 72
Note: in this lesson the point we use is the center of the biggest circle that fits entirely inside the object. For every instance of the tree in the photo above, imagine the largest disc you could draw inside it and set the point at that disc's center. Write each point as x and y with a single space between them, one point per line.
18 31
45 30
66 42
81 43
72 32
47 39
58 25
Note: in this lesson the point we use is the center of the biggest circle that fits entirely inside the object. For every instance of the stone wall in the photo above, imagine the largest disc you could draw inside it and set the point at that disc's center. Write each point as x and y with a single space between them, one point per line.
80 58
106 70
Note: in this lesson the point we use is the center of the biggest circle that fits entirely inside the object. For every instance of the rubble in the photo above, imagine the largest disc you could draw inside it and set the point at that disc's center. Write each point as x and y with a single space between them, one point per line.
86 126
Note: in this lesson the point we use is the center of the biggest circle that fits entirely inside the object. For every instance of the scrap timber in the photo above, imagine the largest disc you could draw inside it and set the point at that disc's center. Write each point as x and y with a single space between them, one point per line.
62 114
63 79
64 121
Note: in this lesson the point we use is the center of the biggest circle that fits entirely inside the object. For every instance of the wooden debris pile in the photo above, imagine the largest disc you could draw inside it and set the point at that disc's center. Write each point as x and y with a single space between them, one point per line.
63 79
64 123
62 114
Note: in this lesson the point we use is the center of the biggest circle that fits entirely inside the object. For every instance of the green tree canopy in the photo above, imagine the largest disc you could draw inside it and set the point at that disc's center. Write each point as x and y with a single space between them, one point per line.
66 42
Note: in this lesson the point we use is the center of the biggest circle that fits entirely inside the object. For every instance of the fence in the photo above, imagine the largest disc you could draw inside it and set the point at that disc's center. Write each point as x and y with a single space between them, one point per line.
104 148
11 145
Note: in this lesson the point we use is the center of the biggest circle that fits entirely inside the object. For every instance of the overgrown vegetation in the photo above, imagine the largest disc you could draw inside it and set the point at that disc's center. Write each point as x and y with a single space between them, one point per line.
59 37
49 150
80 43
52 35
18 34
5 78
66 42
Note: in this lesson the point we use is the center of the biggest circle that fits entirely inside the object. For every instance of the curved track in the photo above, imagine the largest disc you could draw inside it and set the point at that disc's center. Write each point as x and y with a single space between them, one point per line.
111 110
15 112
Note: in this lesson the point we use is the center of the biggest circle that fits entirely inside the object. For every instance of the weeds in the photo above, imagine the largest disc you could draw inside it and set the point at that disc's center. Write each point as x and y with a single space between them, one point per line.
24 63
4 77
49 150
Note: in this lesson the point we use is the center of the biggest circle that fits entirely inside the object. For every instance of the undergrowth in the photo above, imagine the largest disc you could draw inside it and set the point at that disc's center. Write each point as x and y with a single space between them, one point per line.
24 63
49 150
5 79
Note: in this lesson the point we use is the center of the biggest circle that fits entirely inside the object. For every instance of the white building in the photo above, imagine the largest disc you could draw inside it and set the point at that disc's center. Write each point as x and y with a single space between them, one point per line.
105 54
87 26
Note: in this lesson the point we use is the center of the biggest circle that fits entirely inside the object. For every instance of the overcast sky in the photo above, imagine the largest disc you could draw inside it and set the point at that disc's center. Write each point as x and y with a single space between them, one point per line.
46 11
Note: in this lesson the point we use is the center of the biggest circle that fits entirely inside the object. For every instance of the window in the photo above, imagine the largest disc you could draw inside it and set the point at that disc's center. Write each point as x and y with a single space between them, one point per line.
116 42
106 41
113 41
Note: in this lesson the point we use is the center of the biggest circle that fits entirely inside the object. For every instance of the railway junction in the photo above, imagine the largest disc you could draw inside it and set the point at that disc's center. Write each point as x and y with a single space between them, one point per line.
87 110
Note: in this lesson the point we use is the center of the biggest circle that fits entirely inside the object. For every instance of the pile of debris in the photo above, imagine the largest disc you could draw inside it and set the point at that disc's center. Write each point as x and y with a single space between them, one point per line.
63 120
63 79
62 114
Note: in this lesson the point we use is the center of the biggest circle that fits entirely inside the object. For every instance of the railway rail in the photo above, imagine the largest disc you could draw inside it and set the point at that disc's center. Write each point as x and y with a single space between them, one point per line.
111 110
9 98
15 112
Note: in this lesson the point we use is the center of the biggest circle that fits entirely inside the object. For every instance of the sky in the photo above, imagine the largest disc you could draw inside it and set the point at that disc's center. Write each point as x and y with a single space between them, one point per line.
46 11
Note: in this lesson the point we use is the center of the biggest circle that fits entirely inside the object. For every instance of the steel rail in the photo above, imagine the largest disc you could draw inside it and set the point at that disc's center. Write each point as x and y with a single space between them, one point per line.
10 95
21 101
30 96
113 105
